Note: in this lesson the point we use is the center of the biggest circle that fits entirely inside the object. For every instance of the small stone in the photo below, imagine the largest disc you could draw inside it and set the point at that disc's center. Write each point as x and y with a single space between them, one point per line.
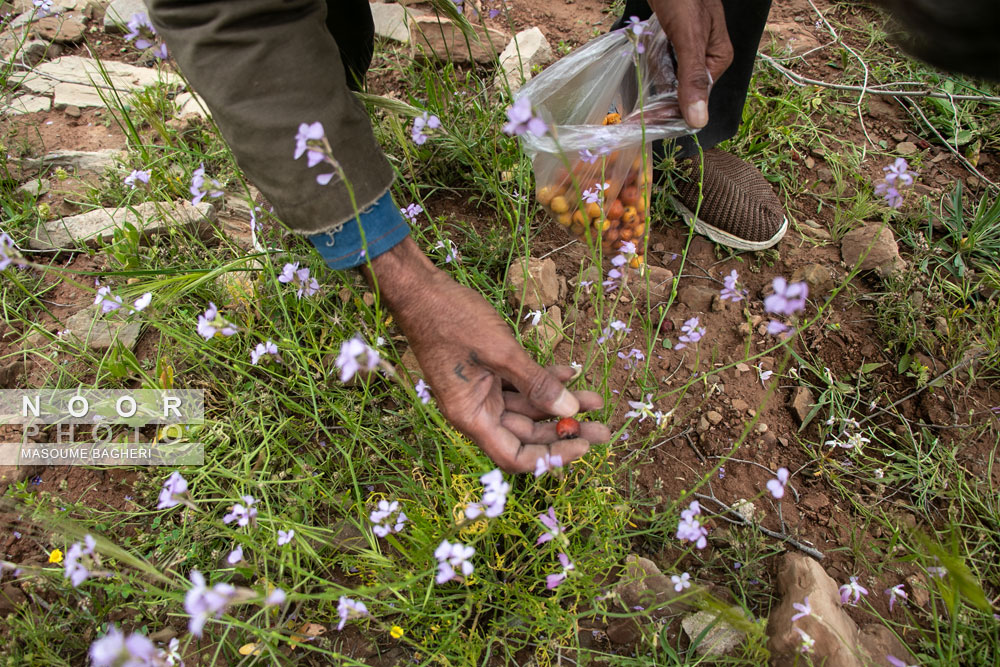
810 163
745 509
883 256
718 304
59 30
697 298
941 327
714 417
70 79
899 136
624 631
442 39
368 299
815 501
29 104
34 189
703 425
99 331
742 368
118 13
818 277
802 403
72 111
527 52
11 599
740 405
550 328
533 285
721 639
392 21
762 427
906 148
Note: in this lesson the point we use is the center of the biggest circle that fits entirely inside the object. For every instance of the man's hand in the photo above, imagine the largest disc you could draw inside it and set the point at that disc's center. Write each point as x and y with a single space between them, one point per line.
697 30
469 357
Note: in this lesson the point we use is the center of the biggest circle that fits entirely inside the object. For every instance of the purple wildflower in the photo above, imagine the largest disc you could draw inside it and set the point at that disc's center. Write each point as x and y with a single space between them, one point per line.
141 29
348 360
689 528
548 463
174 487
419 123
807 643
262 351
348 609
138 176
160 52
450 253
452 560
553 580
242 514
596 194
275 598
210 324
776 328
896 592
115 649
285 536
788 298
802 608
535 316
627 248
388 518
522 120
235 556
9 252
423 391
142 302
692 333
681 582
43 8
896 662
109 302
73 569
890 194
311 140
200 602
851 592
201 186
617 326
555 528
634 355
641 409
730 290
777 486
899 174
411 212
636 27
291 273
495 491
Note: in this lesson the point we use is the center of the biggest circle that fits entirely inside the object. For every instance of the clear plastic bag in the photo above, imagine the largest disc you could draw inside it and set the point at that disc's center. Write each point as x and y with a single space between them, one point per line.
604 105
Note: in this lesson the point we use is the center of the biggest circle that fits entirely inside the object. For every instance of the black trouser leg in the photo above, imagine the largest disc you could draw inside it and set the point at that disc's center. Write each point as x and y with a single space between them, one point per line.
745 21
351 24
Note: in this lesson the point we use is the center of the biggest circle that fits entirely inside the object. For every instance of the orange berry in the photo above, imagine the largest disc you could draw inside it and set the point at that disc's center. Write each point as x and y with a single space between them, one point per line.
636 262
564 219
630 195
579 218
559 204
615 210
577 229
567 428
627 234
593 210
628 216
612 119
545 195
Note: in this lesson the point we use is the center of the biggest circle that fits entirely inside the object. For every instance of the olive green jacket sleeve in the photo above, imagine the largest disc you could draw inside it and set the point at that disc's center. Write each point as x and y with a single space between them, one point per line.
264 67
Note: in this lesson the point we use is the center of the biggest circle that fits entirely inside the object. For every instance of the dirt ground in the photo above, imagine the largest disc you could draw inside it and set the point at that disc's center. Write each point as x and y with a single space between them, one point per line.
847 339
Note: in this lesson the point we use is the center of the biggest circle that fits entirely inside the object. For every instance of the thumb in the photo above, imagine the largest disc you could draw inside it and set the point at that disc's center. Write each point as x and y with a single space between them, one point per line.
693 80
542 389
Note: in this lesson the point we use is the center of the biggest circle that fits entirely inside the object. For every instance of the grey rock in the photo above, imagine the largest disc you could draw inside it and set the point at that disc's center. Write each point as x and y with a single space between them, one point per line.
653 284
643 585
119 12
34 189
72 79
533 285
88 161
906 148
527 51
392 21
442 39
29 104
99 331
883 255
190 103
150 218
721 639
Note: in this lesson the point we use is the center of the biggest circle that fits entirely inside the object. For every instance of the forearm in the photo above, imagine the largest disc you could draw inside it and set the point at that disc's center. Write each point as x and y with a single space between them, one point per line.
263 67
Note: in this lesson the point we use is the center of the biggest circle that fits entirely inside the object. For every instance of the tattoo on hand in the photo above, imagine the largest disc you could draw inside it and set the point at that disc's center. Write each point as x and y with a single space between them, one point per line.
458 371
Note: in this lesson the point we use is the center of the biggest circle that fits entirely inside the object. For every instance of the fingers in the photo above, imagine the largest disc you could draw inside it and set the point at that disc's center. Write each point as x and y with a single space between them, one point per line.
517 402
528 431
542 389
510 455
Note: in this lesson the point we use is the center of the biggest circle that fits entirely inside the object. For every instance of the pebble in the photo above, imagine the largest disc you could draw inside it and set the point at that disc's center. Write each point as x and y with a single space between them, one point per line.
714 417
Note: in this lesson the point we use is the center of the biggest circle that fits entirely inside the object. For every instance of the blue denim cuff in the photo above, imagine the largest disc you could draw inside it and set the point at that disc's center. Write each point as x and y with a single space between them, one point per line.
384 227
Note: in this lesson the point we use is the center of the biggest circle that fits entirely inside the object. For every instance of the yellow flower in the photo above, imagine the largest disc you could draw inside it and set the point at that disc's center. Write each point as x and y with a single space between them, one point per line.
56 556
396 632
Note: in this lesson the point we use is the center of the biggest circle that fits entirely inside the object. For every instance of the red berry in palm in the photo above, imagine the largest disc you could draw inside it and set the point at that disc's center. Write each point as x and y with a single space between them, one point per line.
567 428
